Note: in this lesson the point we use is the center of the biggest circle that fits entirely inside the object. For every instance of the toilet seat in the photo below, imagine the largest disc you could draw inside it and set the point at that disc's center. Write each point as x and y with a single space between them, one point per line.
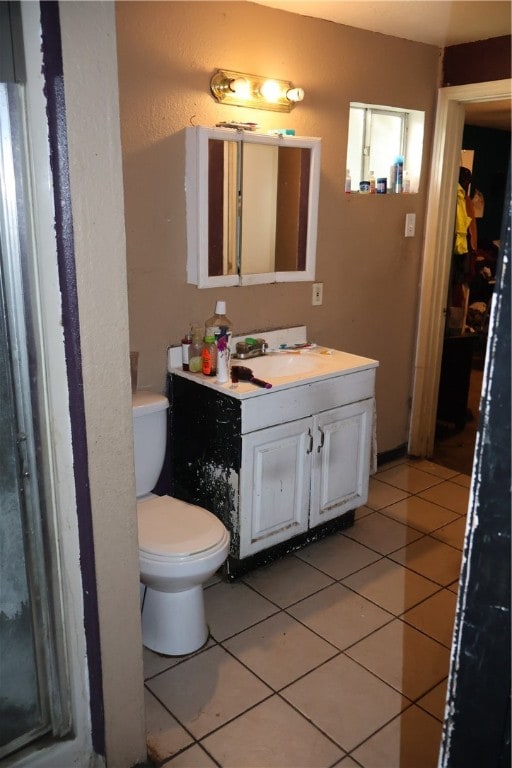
194 530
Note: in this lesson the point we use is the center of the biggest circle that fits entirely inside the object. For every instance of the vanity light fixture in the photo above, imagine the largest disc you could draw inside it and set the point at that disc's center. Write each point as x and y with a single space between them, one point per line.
239 89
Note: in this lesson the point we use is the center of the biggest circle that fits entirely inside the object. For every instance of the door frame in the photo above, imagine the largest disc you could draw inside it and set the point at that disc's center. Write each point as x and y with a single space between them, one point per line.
437 252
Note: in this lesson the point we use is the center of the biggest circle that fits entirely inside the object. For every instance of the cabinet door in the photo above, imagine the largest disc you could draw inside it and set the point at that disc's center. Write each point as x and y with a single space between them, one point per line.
274 485
341 464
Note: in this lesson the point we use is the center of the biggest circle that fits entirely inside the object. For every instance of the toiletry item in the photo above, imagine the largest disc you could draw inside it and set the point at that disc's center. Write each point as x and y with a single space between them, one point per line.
221 325
364 187
209 354
399 173
392 179
382 185
223 355
407 183
348 182
196 347
245 374
372 183
185 349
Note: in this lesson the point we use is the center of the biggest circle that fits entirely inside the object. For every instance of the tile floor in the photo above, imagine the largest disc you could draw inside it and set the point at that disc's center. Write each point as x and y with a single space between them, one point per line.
336 655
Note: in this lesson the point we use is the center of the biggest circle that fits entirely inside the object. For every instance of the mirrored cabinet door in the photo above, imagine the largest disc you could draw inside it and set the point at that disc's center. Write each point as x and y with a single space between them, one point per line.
252 206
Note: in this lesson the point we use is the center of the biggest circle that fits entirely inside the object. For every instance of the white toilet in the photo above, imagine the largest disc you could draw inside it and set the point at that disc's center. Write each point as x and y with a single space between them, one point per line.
180 545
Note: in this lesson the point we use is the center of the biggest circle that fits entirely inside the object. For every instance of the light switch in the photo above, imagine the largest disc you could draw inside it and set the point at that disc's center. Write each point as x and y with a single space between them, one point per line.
410 224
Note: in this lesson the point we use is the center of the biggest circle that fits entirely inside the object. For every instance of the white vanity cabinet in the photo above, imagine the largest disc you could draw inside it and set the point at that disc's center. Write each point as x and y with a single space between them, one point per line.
300 474
275 485
277 466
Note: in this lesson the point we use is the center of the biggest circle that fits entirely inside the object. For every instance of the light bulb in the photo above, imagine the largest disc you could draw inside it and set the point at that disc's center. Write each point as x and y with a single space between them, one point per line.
295 94
270 90
241 87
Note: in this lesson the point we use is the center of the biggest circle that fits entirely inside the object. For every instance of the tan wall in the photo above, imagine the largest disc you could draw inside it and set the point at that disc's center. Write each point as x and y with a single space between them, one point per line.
88 50
167 52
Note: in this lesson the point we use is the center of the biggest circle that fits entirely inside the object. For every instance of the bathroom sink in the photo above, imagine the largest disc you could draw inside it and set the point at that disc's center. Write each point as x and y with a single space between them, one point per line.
282 365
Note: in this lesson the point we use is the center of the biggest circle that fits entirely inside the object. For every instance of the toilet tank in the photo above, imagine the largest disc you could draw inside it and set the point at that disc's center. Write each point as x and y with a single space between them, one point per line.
149 411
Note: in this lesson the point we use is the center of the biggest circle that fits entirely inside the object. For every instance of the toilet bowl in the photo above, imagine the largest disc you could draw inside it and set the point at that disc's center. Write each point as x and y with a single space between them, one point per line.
180 545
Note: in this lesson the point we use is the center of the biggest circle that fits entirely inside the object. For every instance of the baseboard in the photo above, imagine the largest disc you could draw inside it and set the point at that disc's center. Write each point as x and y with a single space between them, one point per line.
395 453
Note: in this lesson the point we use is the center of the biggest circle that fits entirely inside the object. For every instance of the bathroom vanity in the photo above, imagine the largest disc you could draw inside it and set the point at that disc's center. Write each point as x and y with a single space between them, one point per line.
279 466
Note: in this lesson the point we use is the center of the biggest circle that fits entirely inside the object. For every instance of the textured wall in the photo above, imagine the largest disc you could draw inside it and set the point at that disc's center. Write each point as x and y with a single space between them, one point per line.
90 78
167 52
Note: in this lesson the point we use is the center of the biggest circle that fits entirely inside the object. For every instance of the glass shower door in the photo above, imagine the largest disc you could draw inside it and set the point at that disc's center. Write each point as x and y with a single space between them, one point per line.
22 707
33 679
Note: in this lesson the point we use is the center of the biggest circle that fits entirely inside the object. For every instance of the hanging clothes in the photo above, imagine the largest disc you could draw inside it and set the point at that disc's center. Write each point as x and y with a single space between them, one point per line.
462 223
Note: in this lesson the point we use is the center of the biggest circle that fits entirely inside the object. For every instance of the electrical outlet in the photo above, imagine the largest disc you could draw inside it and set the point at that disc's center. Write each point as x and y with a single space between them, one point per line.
318 291
410 224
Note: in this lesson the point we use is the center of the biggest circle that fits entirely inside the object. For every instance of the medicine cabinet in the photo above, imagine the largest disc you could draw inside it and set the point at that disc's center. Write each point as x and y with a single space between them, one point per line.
252 207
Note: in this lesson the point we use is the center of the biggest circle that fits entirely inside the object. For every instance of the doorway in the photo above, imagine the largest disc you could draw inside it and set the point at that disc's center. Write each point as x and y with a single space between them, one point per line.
437 253
485 152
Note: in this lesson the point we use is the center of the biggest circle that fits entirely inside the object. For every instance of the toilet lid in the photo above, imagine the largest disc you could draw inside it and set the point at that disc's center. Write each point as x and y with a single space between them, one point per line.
171 527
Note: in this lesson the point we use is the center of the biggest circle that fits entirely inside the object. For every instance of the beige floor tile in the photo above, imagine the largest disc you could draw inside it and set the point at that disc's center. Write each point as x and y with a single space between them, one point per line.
449 495
164 734
193 757
272 735
430 558
338 556
453 533
232 607
154 663
403 657
409 478
381 494
279 650
435 701
420 514
381 534
432 468
392 463
339 616
207 690
345 701
409 741
391 586
287 580
362 512
435 616
463 480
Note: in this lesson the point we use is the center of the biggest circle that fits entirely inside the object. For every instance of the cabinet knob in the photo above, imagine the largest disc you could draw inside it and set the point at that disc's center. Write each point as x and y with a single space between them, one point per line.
322 438
310 449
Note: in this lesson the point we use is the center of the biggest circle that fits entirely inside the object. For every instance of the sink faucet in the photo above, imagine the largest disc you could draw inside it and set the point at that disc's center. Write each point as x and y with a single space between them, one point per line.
250 348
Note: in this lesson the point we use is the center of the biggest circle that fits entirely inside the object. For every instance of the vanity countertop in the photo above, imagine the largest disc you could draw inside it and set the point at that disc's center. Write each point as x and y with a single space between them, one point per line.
319 363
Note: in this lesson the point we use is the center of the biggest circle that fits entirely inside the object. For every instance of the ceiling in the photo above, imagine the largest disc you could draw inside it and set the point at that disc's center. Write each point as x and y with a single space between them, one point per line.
435 22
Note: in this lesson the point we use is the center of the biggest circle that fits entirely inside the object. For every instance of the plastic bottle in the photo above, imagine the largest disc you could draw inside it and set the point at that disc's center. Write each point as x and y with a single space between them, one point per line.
372 183
399 173
196 347
407 183
209 354
219 324
223 355
185 350
348 183
392 179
